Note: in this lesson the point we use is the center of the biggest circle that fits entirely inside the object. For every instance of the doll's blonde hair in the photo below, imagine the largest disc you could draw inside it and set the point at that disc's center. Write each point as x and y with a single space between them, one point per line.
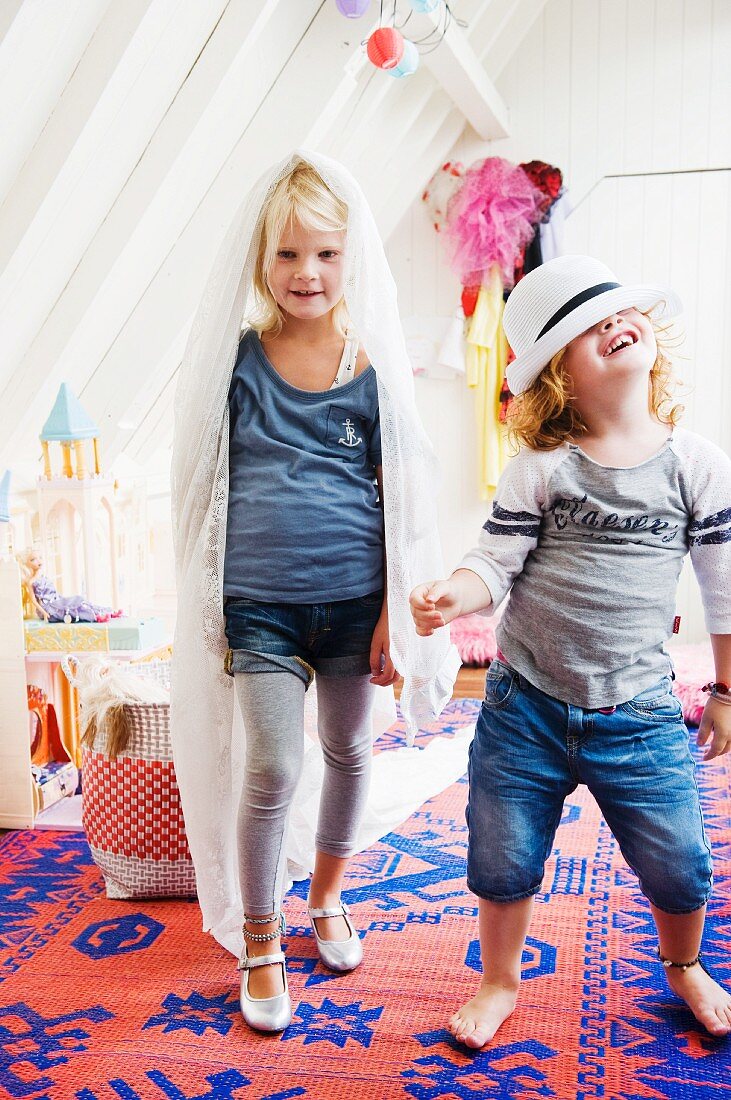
300 197
31 608
544 416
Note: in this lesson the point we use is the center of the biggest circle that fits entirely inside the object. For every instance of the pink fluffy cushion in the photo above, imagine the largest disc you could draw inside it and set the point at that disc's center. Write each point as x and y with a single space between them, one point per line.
474 637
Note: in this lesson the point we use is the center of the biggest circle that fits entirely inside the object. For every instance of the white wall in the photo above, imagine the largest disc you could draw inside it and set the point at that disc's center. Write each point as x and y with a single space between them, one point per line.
613 93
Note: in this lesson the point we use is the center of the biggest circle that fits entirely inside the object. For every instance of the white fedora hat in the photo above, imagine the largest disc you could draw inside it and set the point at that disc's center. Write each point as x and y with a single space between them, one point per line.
559 300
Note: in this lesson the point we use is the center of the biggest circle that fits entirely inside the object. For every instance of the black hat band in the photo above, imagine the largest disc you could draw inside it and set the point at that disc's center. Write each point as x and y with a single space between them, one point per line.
574 303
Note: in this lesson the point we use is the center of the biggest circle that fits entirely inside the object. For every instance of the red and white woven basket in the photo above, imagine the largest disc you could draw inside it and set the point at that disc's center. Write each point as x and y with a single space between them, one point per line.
131 810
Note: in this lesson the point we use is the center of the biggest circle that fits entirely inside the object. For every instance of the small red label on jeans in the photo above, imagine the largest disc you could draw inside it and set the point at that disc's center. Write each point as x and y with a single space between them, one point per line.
676 624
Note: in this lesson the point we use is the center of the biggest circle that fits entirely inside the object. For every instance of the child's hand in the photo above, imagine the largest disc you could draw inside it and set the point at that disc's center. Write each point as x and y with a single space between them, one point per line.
433 605
716 727
383 672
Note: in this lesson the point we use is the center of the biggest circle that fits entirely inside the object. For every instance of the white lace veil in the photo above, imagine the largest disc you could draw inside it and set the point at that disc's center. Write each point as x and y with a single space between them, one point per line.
207 741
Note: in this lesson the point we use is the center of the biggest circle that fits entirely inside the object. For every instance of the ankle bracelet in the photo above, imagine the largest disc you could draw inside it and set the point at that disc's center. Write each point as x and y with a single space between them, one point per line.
265 937
668 963
261 937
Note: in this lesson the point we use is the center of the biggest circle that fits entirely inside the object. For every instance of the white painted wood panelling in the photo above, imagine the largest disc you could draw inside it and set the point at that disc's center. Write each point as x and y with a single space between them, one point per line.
614 93
38 54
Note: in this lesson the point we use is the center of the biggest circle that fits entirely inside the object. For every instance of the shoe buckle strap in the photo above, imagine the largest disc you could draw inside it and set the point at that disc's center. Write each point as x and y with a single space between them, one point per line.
335 911
251 962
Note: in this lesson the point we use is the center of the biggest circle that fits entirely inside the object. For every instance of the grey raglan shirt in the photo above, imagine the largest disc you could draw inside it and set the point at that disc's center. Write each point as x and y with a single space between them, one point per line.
591 555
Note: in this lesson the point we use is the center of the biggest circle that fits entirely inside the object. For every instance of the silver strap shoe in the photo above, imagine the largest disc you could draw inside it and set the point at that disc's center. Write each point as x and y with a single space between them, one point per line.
340 955
265 1013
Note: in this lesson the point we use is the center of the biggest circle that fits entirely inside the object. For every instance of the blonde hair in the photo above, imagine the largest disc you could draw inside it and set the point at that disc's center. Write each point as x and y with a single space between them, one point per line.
28 573
300 197
544 416
106 690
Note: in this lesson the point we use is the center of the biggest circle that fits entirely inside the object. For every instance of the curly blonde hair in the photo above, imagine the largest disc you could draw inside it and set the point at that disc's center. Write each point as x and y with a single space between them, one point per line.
544 416
300 197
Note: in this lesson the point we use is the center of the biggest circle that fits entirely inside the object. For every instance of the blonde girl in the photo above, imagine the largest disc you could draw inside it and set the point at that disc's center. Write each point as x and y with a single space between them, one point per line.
287 570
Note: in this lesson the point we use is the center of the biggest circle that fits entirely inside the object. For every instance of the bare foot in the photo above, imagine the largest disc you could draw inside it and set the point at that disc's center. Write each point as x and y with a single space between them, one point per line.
476 1022
709 1002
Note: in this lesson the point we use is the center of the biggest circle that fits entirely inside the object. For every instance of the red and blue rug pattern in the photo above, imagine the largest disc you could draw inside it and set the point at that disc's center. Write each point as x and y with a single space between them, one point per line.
112 1000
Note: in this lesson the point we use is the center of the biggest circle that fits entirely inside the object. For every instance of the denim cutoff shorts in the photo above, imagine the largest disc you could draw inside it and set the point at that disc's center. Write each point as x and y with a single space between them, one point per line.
530 751
332 639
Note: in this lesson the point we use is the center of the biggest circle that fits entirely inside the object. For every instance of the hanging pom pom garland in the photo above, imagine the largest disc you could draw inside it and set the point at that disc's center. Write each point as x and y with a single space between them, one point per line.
352 9
385 47
409 62
490 219
391 51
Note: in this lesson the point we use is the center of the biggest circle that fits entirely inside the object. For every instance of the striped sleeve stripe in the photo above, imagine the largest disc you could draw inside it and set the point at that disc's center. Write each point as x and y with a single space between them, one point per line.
713 537
528 530
514 517
716 520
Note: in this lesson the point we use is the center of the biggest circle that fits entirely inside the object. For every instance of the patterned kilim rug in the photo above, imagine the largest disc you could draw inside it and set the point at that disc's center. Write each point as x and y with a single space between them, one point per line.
109 1000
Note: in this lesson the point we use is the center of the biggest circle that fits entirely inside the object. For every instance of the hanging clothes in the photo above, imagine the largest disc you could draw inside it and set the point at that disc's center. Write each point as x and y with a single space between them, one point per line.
552 230
547 241
485 360
549 180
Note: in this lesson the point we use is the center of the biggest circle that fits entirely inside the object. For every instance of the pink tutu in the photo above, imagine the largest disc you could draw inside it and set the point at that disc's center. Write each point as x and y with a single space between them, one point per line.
490 219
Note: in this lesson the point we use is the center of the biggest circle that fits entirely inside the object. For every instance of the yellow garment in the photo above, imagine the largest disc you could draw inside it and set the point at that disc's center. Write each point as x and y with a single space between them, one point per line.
485 361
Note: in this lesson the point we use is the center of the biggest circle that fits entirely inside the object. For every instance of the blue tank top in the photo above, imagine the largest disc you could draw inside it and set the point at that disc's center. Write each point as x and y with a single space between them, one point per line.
304 522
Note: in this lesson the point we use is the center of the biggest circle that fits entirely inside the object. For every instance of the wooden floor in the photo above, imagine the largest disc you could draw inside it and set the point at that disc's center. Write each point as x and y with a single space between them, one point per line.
470 684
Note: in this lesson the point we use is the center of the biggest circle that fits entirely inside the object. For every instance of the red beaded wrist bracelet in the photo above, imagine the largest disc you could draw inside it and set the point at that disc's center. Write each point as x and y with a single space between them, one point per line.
718 690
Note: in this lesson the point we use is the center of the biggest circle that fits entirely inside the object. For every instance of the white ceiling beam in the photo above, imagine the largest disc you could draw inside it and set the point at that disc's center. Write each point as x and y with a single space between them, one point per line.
457 67
154 435
127 350
424 148
374 93
74 109
38 54
373 100
8 12
152 210
366 159
147 427
134 100
365 143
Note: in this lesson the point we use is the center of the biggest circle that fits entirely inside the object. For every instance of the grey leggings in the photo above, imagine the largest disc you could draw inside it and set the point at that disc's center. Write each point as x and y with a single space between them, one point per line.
272 704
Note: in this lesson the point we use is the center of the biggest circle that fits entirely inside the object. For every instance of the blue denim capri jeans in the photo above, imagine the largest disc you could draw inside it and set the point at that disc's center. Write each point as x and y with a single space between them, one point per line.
530 751
332 639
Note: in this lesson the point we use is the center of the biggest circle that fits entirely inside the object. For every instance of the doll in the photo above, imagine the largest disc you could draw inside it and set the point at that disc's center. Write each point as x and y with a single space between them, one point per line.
42 601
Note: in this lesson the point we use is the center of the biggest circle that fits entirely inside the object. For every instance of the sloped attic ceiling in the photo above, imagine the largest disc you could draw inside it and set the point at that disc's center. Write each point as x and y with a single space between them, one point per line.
133 130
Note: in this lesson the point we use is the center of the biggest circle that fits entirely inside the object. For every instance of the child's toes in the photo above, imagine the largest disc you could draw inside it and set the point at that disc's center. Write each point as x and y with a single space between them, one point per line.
464 1027
722 1023
454 1023
477 1038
